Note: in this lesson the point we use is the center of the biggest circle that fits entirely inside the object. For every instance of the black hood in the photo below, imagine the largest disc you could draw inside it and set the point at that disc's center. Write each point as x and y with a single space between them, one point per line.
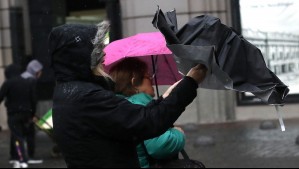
12 70
70 48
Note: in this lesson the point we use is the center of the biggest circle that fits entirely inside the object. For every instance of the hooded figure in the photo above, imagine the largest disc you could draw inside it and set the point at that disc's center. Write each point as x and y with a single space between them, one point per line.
19 93
33 69
12 70
20 90
92 126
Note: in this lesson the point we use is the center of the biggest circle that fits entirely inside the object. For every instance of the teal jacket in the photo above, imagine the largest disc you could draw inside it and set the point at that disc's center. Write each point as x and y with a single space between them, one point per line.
164 146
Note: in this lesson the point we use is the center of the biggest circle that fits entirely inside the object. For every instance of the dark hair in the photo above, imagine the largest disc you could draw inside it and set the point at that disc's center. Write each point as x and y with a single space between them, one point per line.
123 72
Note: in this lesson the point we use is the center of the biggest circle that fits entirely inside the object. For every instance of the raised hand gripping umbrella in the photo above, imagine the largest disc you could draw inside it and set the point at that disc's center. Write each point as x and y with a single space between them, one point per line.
149 47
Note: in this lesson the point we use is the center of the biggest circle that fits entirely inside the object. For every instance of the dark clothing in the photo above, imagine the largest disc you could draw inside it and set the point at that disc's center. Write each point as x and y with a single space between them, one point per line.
23 133
18 140
20 102
95 128
69 43
12 70
19 97
28 134
92 126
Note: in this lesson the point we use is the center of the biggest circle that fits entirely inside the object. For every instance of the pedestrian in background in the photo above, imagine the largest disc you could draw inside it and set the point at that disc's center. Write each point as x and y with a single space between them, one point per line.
94 127
19 93
11 71
134 82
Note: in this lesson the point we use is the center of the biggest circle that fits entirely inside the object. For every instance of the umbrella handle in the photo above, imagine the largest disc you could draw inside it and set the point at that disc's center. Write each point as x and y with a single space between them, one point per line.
280 118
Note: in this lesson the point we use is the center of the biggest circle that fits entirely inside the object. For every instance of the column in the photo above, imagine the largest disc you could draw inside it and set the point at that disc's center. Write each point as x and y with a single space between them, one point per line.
5 51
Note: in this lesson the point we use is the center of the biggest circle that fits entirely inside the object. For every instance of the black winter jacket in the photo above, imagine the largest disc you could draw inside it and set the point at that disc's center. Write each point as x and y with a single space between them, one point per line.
20 97
92 126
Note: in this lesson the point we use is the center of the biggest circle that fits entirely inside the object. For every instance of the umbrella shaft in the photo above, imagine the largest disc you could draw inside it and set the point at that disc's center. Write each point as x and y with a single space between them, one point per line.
155 77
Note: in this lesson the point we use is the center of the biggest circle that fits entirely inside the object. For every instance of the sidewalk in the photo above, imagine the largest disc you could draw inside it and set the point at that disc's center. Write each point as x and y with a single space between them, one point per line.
236 145
44 146
244 145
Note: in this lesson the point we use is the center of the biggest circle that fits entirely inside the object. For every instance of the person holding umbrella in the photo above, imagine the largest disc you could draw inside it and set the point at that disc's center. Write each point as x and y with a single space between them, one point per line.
94 127
133 82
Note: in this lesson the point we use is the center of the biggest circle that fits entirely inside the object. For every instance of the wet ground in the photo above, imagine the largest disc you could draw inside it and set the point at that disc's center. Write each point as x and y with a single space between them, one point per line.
244 145
228 145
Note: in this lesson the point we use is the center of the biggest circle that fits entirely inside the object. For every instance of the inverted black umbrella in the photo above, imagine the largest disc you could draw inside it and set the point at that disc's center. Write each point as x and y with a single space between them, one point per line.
233 62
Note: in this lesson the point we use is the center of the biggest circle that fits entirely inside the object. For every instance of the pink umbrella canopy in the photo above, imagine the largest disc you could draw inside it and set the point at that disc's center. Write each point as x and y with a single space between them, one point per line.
149 47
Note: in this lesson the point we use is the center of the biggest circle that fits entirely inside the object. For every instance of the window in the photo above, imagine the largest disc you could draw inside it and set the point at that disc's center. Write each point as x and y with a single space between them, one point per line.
273 26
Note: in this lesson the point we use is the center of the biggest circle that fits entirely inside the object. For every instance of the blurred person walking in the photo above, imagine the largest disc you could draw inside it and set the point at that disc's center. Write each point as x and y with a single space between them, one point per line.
92 125
11 71
19 92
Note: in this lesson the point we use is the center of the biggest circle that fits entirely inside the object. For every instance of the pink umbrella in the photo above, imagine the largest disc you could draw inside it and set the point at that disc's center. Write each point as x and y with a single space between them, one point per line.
149 47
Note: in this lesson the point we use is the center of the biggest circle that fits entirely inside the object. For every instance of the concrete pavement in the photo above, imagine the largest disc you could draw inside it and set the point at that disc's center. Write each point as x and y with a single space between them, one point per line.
234 145
244 145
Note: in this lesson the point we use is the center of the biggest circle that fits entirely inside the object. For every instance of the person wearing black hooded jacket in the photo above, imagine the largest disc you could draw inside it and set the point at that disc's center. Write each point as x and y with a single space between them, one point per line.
19 92
92 126
11 71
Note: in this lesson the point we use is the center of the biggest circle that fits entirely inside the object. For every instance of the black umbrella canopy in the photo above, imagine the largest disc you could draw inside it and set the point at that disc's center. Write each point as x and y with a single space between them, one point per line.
233 62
